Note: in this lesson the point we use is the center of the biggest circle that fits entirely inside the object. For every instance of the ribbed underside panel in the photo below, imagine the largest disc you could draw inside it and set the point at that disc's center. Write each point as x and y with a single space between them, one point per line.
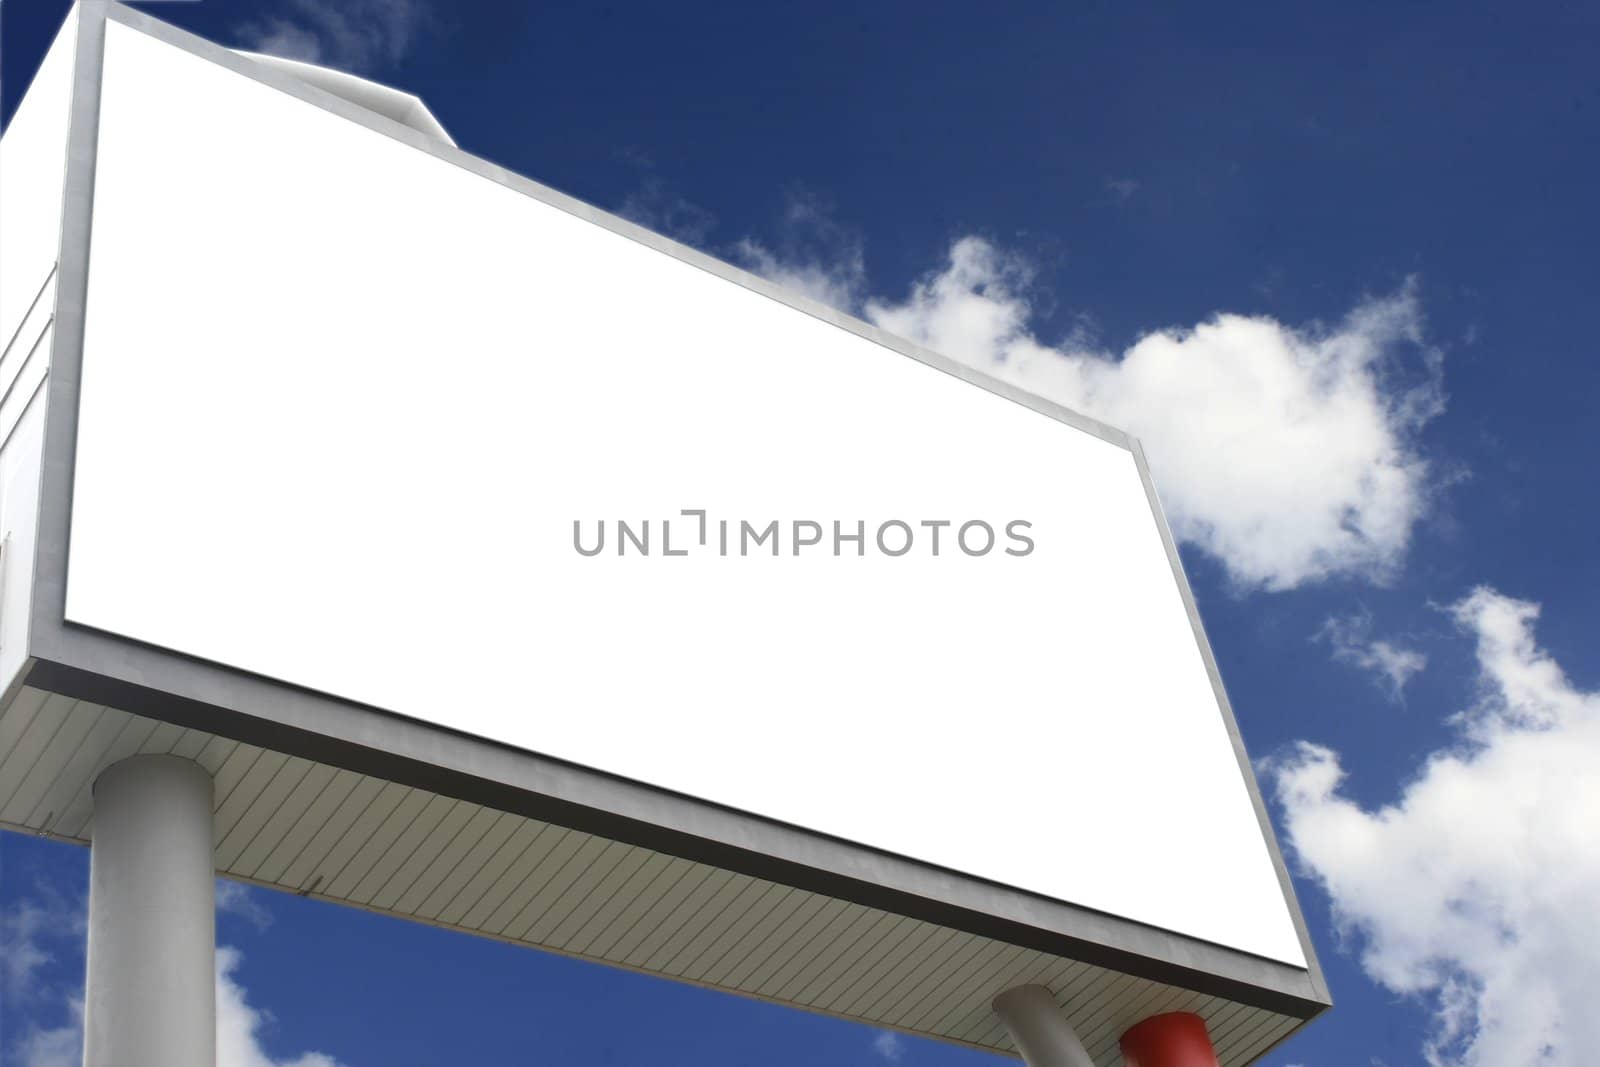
321 831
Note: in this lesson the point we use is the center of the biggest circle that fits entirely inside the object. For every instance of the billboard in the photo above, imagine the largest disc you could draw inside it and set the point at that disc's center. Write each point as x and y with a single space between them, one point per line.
435 446
360 443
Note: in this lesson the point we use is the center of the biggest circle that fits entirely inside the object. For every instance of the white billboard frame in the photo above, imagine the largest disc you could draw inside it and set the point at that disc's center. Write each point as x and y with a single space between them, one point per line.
94 665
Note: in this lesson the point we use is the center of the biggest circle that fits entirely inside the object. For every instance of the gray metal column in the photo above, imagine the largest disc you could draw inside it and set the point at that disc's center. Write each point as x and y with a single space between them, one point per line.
150 995
1038 1028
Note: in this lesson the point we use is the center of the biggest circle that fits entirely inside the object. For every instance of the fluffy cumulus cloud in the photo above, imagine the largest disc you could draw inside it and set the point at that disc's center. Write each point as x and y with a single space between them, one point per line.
1477 889
1287 454
1390 665
354 35
814 255
822 281
239 1023
38 933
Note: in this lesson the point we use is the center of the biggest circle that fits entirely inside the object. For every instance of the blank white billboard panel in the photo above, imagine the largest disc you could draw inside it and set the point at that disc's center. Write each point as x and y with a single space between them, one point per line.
343 403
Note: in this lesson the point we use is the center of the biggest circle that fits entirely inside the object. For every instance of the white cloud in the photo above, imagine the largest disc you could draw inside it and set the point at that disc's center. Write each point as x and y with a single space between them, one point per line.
1390 665
1287 454
36 933
279 37
887 1044
826 283
33 933
352 35
1476 891
236 898
46 929
23 955
814 255
657 208
239 1024
56 1046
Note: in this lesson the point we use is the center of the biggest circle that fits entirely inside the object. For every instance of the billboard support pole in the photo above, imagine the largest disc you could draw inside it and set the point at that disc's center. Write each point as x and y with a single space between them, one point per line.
1039 1030
150 991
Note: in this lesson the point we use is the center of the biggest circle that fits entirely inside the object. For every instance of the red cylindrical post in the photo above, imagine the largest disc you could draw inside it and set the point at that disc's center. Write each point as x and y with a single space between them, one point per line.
1176 1039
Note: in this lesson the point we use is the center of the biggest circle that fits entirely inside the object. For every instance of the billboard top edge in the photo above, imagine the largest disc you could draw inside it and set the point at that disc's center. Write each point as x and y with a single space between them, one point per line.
307 92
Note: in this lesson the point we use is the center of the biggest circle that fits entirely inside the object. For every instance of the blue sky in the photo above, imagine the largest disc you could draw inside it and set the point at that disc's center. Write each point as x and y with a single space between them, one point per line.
1332 263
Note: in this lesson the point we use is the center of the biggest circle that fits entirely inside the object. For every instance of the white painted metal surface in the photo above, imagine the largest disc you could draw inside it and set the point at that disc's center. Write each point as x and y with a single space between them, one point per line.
342 442
149 995
310 828
1038 1029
